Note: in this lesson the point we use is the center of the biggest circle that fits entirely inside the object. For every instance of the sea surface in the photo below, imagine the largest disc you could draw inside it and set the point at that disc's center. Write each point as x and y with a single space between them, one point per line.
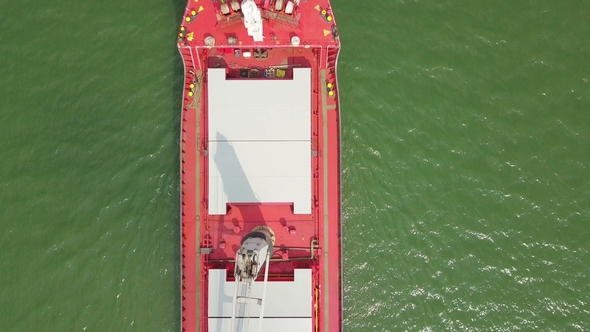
465 153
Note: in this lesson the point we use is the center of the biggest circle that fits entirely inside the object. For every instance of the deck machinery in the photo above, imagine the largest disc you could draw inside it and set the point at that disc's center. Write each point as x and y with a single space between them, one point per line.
254 253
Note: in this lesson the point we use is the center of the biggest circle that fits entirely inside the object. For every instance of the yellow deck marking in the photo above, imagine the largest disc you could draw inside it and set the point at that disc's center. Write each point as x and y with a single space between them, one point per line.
317 8
201 9
327 32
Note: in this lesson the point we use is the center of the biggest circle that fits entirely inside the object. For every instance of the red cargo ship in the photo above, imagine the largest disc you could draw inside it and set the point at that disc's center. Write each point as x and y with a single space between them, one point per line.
260 167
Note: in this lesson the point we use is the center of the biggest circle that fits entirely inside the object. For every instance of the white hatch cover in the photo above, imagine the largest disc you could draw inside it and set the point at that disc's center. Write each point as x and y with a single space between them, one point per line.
288 304
259 141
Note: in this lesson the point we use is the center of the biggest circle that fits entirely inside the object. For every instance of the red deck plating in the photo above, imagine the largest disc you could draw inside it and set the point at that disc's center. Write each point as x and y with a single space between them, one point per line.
302 241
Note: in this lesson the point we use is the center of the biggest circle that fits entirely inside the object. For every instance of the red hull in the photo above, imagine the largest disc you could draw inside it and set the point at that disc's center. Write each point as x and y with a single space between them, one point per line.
310 241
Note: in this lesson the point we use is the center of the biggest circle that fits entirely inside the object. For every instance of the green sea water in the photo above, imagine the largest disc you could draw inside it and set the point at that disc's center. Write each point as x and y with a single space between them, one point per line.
465 152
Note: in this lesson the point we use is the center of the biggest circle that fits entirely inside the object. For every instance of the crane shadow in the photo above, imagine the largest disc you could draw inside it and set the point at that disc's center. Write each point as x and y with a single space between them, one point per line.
236 186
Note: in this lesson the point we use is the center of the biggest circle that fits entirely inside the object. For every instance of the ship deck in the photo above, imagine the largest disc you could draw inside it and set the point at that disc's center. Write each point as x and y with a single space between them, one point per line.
304 240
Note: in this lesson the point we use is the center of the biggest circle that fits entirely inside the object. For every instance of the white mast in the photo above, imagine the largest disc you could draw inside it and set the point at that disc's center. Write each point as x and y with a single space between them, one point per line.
252 19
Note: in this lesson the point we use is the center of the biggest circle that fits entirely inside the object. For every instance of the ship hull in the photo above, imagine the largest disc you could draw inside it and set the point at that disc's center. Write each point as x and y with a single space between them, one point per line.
223 198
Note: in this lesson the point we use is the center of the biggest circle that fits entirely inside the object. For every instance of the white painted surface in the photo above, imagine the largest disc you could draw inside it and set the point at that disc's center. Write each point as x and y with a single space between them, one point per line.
259 141
248 172
268 324
242 110
283 299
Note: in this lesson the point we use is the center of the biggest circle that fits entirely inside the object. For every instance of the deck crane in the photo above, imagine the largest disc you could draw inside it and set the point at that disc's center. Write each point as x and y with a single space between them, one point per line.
255 251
